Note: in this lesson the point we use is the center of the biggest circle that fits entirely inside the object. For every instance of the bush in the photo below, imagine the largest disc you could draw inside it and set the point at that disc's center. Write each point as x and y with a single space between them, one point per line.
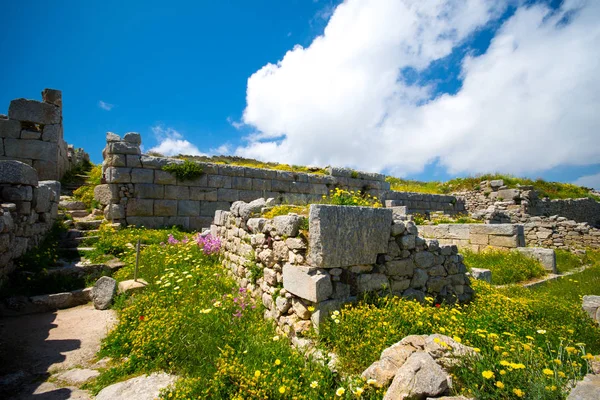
186 171
85 193
506 266
342 197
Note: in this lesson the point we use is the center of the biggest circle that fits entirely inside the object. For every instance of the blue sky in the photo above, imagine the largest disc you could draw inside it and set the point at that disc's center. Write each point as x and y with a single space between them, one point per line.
205 76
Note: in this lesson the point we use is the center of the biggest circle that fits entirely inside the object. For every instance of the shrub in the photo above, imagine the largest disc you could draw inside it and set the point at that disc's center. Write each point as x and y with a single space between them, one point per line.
85 193
506 266
285 210
342 197
186 171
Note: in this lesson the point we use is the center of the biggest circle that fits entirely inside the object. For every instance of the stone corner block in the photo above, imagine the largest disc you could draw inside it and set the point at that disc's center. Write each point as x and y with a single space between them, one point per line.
309 283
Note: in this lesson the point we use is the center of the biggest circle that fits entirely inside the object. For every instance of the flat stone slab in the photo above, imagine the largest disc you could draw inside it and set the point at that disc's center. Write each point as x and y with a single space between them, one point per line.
77 376
132 286
587 389
546 257
342 236
145 387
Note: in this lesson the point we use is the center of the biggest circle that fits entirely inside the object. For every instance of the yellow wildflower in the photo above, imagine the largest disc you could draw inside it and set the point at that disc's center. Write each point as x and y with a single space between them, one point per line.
487 374
548 372
340 392
499 385
518 392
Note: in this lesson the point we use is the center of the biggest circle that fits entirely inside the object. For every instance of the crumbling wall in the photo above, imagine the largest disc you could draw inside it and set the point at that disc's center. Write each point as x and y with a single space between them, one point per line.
303 274
477 237
28 210
33 134
423 203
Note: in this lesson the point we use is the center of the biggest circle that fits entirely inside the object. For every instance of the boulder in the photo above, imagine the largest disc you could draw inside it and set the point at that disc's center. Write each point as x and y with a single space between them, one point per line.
591 305
418 378
587 389
146 387
17 173
546 257
103 292
342 236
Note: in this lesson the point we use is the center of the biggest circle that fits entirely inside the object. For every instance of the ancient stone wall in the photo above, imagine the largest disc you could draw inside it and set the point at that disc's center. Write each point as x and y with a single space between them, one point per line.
423 203
561 233
476 237
28 210
33 134
303 274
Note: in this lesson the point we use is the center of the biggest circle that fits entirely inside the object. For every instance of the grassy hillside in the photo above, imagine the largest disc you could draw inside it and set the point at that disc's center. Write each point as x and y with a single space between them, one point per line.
552 190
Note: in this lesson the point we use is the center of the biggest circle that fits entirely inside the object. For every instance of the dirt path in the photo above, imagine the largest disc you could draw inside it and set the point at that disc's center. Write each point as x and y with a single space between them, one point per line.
33 347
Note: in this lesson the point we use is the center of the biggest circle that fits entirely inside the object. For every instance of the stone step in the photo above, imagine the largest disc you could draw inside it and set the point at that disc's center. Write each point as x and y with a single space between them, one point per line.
76 249
79 213
87 239
72 205
88 225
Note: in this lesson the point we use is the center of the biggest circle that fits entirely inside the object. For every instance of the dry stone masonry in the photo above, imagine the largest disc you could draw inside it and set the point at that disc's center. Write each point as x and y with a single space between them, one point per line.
304 268
28 209
33 134
477 237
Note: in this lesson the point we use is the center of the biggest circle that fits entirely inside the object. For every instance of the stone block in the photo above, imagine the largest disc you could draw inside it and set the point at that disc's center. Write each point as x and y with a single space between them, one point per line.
106 194
508 194
308 283
42 196
114 211
219 181
250 195
52 133
177 192
10 129
165 178
147 222
122 148
239 182
503 241
208 208
52 96
133 138
479 239
200 181
287 225
590 305
200 193
140 208
117 175
17 173
199 223
149 191
260 184
260 173
372 282
546 257
157 162
34 149
458 231
227 194
344 236
34 111
400 267
115 160
325 308
424 259
481 274
280 186
494 229
183 222
188 208
165 208
140 175
17 193
47 170
31 135
133 161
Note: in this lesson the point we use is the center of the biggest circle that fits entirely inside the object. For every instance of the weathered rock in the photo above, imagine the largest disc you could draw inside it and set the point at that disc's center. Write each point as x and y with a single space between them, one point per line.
131 285
10 129
77 376
587 389
145 387
308 283
17 173
344 236
103 292
419 377
481 274
133 137
546 257
34 111
247 209
372 282
287 225
72 205
590 305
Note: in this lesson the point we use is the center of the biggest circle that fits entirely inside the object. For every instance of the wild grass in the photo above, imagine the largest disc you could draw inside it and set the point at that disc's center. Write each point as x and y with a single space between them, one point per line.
506 266
252 163
551 190
85 193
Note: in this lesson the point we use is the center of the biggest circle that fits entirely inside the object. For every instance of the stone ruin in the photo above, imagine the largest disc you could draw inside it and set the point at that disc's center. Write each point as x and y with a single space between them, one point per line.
33 134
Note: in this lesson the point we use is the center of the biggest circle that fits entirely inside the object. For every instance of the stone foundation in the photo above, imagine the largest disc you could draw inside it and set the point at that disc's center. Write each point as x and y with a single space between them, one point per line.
477 237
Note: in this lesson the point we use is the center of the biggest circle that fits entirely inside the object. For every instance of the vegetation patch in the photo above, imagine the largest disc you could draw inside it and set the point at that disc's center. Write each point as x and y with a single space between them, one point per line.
342 197
285 209
251 163
186 171
551 190
437 219
85 193
506 266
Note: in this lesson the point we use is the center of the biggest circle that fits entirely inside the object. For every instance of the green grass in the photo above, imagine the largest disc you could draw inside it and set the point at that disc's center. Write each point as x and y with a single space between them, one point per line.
85 193
551 190
251 163
285 209
506 266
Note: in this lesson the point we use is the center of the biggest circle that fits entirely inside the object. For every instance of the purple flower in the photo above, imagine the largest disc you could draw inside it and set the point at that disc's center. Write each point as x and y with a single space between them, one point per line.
172 239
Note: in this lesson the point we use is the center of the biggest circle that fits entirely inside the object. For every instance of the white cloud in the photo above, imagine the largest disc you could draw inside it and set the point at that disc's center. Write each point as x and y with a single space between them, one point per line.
105 106
528 104
590 181
172 143
222 150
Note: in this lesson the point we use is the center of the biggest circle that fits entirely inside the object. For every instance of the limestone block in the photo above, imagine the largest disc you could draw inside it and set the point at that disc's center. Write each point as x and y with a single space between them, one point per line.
508 194
344 236
246 210
260 184
52 96
481 274
133 138
227 194
407 242
250 195
494 229
177 192
34 111
309 283
118 175
208 208
201 181
10 129
287 225
503 241
31 135
122 148
219 181
112 137
115 160
590 305
325 308
17 173
479 239
189 208
106 193
165 208
165 178
41 198
140 208
260 173
133 161
114 211
200 193
546 257
424 259
148 222
239 182
140 175
149 191
183 222
221 217
372 282
280 186
143 387
17 193
46 170
157 162
34 149
103 292
400 267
